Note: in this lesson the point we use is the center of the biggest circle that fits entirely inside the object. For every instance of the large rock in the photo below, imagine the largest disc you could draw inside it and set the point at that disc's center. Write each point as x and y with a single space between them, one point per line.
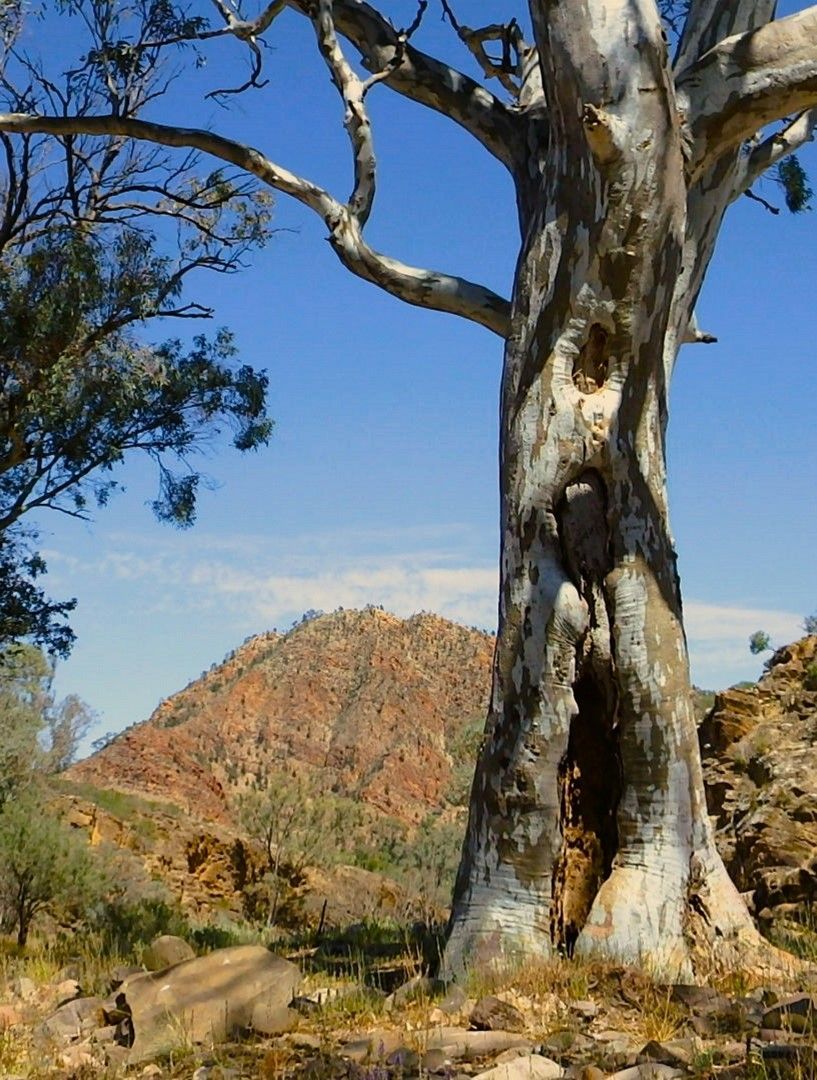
206 999
759 748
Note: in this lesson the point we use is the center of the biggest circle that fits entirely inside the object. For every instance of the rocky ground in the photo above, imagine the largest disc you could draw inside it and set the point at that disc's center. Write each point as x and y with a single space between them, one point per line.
245 1012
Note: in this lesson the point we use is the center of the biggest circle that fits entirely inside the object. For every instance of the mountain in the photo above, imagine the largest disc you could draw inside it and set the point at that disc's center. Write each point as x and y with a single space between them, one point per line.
371 705
386 713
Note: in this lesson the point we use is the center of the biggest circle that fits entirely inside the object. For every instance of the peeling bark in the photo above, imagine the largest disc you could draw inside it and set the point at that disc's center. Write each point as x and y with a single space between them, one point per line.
588 829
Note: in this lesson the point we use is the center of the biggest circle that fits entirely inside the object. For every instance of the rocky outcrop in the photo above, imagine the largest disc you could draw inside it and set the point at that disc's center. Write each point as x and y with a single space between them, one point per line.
759 748
372 701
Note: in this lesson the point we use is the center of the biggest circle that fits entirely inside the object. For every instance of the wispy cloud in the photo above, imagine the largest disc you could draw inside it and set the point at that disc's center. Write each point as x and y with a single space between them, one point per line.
248 582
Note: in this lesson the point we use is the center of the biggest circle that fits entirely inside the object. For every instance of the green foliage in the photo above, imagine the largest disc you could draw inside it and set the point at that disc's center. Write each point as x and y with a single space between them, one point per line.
810 679
80 391
463 749
759 642
39 735
792 177
26 613
43 863
810 624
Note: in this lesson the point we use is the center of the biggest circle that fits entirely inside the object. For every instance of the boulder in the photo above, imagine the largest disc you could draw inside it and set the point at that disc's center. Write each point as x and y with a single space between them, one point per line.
206 999
493 1014
526 1067
166 951
74 1020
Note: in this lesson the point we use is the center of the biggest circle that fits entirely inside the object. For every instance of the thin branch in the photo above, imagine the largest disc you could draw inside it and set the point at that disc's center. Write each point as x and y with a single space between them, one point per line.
356 121
508 69
763 202
776 147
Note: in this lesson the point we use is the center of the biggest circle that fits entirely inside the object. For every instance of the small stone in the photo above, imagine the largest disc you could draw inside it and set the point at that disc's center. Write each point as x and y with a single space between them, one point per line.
150 1071
587 1010
74 1019
591 1072
302 1040
493 1014
373 1046
648 1071
568 1042
435 1061
66 991
404 1058
24 988
672 1052
417 986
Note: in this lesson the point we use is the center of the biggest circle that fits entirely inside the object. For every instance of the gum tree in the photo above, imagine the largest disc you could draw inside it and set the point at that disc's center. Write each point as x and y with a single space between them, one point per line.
588 828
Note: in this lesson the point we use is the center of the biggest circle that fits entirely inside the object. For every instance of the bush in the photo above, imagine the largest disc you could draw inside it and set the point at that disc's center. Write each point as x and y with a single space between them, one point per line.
43 865
810 680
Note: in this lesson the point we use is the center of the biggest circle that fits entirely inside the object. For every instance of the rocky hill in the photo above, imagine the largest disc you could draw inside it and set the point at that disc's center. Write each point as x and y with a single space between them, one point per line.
386 712
371 704
759 747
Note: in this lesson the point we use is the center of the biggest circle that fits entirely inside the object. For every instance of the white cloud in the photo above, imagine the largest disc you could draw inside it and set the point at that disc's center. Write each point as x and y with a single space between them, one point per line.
247 582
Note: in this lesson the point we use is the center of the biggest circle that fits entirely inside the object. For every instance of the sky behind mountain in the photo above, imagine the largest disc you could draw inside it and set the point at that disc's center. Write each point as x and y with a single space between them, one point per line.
380 483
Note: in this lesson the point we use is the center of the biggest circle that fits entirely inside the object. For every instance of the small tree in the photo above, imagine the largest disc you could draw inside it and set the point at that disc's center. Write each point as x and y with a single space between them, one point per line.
759 642
296 829
43 865
39 735
810 624
82 265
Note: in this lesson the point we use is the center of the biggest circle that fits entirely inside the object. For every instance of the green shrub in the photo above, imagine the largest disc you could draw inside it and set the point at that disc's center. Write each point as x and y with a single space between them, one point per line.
810 679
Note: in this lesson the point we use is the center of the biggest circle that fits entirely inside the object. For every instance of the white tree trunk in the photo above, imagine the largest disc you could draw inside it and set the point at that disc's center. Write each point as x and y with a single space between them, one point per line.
588 828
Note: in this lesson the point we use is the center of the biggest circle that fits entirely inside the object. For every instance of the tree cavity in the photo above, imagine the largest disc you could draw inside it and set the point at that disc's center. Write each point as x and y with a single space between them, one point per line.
590 771
591 365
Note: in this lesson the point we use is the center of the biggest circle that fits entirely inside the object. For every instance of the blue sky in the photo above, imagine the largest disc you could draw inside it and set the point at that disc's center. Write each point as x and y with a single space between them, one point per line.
380 483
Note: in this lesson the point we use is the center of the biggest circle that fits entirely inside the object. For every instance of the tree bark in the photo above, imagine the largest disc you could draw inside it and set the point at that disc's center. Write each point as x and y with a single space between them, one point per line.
588 829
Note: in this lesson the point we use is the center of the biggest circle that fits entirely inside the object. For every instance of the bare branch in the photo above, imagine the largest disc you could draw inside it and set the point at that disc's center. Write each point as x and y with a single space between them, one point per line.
426 80
424 288
356 121
775 148
748 81
763 202
507 69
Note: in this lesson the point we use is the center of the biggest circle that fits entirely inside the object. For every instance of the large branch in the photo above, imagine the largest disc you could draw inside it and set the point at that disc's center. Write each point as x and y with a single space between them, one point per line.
710 21
424 288
748 81
427 80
